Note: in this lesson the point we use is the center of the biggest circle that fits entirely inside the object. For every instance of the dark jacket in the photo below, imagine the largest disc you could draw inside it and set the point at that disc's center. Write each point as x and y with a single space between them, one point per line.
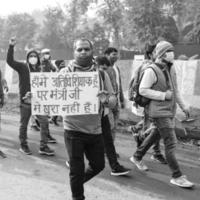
23 70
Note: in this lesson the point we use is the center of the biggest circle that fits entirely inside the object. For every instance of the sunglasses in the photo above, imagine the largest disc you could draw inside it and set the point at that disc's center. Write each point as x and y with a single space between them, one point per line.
81 49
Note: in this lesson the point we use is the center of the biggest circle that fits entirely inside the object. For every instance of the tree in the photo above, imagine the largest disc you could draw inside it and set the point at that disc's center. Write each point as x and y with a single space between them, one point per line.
22 26
146 22
112 13
52 33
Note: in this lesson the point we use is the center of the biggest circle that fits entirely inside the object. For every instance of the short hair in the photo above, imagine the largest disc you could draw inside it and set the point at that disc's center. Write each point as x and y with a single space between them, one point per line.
82 40
149 48
110 50
102 60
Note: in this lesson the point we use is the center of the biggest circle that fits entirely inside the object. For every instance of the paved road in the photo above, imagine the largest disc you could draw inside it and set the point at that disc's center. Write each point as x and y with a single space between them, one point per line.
46 178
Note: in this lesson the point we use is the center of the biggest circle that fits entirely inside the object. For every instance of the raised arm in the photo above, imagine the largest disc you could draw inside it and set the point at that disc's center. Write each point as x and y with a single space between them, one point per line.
10 56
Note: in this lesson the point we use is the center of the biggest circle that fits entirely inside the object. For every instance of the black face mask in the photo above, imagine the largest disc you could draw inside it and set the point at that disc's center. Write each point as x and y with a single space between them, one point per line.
84 61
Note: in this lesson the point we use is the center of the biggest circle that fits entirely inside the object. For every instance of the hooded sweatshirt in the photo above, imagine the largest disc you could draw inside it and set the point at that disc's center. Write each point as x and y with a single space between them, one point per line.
23 70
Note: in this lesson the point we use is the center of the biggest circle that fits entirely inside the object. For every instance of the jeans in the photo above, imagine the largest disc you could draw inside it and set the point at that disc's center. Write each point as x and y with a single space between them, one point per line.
152 139
25 114
109 143
168 134
78 144
44 129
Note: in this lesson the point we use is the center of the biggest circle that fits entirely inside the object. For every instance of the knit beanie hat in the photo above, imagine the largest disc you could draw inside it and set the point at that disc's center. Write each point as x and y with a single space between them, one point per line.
162 47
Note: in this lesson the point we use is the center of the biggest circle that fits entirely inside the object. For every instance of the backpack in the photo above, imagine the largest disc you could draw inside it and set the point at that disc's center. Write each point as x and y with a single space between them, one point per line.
133 91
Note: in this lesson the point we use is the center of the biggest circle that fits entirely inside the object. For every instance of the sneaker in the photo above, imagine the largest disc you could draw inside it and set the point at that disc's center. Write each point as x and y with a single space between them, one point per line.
46 151
35 128
118 156
2 154
182 182
159 158
139 164
67 163
120 171
51 139
25 149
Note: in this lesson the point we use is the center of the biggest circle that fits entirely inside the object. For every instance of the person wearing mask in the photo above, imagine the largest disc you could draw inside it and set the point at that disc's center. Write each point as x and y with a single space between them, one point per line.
83 133
114 73
47 66
24 69
159 83
143 128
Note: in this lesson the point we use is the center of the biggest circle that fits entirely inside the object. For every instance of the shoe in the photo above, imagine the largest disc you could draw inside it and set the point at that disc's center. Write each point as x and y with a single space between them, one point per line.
51 139
67 163
139 164
182 182
46 151
2 154
35 128
120 171
118 156
159 158
25 149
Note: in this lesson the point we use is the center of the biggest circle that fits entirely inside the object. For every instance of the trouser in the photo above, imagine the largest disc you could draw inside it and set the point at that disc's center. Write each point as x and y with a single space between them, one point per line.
166 131
143 140
108 142
115 113
25 114
78 144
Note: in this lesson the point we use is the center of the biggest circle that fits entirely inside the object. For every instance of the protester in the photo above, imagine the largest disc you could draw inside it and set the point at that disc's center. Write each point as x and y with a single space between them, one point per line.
47 66
117 169
142 130
24 69
160 85
59 65
114 73
83 134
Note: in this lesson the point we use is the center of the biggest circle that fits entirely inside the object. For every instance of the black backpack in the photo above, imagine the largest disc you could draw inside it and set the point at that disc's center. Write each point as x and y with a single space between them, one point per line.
133 91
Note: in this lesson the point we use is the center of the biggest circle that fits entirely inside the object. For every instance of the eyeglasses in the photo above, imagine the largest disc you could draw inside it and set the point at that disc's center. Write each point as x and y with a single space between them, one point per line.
81 49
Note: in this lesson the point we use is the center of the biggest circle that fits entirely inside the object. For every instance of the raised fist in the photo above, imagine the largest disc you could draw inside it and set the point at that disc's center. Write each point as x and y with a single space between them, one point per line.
12 41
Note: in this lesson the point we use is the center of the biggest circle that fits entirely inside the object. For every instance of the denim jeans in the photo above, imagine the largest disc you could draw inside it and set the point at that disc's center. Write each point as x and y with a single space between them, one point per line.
44 129
166 132
78 144
108 142
25 114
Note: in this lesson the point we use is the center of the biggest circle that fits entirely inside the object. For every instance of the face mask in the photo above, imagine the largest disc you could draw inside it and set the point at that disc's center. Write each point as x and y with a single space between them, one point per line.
46 57
169 56
33 60
84 61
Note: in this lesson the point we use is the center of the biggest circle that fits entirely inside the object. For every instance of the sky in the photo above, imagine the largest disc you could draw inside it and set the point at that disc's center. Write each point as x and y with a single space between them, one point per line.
17 6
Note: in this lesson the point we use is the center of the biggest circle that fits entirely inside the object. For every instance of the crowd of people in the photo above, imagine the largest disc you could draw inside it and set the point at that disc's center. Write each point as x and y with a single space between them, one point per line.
92 135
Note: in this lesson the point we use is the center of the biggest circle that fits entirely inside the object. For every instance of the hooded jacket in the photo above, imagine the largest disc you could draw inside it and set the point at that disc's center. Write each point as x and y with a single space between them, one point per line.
23 70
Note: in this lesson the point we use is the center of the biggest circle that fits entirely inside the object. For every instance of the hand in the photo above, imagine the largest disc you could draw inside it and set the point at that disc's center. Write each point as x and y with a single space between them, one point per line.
6 88
122 105
1 101
27 97
187 112
103 96
12 41
168 95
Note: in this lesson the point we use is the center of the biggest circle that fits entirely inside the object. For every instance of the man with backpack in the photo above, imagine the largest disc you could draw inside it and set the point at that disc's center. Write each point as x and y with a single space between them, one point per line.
160 85
143 128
